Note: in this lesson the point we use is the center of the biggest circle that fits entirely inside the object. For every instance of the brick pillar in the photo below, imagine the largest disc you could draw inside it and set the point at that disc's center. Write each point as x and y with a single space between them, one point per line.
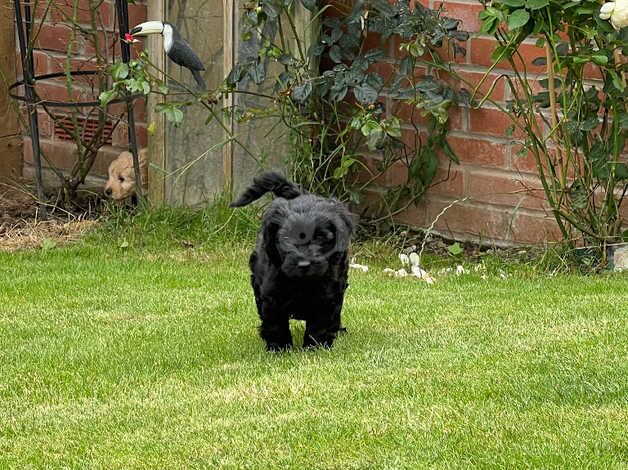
10 141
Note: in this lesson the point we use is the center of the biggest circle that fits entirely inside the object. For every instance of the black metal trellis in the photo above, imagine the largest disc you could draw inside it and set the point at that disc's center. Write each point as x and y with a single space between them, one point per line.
23 17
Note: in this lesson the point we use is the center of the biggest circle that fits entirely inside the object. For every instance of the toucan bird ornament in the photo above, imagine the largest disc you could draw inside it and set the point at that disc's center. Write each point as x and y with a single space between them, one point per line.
176 48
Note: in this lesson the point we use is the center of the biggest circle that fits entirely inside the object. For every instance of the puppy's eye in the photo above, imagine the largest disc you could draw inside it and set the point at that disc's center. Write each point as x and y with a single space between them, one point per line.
121 179
302 236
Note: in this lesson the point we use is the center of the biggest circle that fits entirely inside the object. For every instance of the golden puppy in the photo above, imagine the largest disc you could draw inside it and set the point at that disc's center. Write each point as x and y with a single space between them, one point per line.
121 182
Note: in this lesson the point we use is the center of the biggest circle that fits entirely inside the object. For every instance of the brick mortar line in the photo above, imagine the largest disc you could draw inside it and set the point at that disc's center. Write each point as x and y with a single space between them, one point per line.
477 68
110 27
66 143
499 173
491 207
474 204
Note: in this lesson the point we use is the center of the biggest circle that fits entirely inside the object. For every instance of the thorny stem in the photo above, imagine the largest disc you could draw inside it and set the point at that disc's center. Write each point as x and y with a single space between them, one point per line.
433 224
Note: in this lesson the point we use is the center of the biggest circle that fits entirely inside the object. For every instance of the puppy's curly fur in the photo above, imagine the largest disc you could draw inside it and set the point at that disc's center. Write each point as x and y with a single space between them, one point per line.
300 263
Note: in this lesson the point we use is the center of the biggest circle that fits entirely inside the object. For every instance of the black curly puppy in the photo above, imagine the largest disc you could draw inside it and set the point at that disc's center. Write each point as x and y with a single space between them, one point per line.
299 266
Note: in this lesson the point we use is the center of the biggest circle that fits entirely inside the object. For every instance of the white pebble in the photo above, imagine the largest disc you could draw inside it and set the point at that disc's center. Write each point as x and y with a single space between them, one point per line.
401 273
361 267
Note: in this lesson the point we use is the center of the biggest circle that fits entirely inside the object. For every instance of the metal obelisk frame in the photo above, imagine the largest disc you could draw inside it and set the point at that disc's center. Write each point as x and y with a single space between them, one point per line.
23 17
122 8
26 57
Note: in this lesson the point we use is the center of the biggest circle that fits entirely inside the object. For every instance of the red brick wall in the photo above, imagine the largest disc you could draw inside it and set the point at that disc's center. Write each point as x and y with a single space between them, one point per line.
50 56
504 201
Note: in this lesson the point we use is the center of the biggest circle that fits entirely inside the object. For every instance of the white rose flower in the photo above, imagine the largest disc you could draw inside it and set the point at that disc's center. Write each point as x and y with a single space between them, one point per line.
401 273
617 12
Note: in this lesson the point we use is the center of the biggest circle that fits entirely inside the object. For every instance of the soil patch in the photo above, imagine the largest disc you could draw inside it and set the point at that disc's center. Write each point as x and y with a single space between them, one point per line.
21 226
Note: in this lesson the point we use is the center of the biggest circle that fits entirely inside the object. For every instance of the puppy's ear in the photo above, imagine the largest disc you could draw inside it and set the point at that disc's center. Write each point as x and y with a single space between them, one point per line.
269 236
345 225
350 219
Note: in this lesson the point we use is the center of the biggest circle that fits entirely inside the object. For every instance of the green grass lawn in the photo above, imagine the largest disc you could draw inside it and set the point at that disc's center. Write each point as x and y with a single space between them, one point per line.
117 357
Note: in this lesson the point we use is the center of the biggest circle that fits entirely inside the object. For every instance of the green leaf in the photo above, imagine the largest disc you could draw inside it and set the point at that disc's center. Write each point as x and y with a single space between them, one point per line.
621 171
175 116
310 4
301 93
455 249
580 60
365 94
106 97
258 72
513 3
345 165
489 25
617 81
393 127
119 71
270 9
518 19
335 53
600 59
539 61
369 127
337 94
536 4
171 111
449 151
431 165
568 5
589 124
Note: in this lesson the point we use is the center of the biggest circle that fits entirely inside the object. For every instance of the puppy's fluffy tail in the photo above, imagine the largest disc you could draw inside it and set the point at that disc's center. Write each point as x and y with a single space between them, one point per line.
269 181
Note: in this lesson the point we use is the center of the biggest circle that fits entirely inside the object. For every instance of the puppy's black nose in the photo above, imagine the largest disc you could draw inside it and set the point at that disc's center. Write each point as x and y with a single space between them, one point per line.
108 192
